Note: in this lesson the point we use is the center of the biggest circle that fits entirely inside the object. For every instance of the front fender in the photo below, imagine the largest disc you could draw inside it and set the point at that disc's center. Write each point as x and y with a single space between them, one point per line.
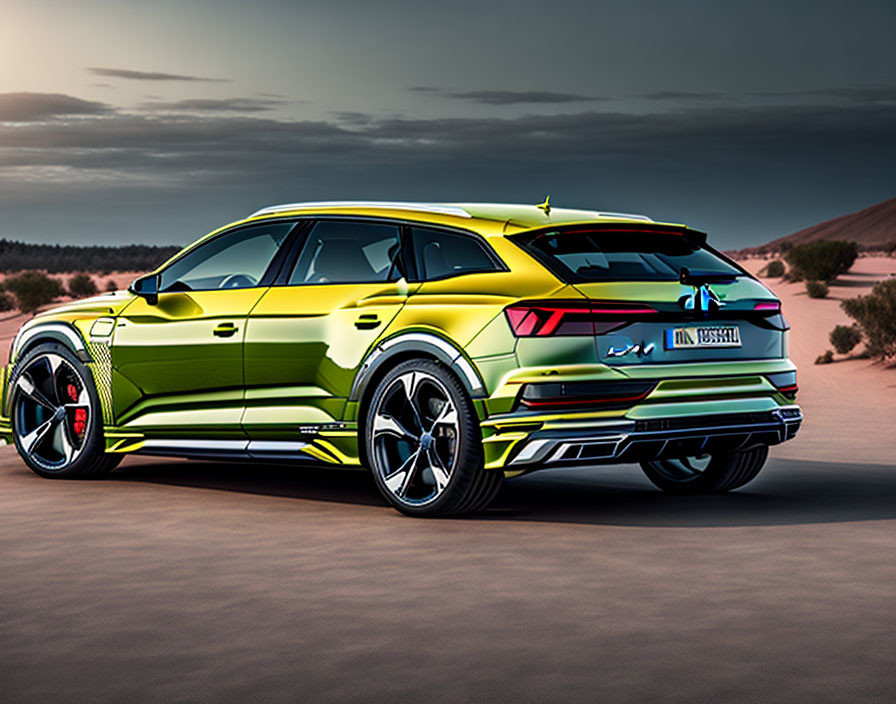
63 333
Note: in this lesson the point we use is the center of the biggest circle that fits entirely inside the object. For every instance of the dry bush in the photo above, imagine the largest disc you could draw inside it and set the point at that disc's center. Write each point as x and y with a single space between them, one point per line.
816 289
33 289
822 260
875 314
845 337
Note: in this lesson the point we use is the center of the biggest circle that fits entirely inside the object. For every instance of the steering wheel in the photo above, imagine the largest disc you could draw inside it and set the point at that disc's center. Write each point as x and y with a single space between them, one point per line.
238 281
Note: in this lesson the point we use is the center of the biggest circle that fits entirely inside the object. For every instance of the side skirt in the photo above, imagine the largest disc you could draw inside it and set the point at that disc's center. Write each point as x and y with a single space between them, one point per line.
271 450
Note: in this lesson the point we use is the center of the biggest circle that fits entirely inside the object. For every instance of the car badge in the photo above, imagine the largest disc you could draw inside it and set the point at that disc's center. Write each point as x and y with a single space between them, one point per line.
702 300
640 350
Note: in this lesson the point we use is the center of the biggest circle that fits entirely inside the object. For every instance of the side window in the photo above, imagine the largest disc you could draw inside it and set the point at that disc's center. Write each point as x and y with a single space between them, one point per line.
236 259
345 252
441 254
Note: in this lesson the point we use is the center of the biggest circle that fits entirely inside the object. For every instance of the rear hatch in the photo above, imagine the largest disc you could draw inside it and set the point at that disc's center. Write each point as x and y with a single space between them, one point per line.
657 294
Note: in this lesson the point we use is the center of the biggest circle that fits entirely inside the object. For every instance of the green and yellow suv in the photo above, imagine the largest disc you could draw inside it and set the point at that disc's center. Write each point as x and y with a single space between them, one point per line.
444 347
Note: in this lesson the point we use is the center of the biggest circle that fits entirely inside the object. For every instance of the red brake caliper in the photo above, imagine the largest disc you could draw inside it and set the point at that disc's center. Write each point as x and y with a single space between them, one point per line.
79 424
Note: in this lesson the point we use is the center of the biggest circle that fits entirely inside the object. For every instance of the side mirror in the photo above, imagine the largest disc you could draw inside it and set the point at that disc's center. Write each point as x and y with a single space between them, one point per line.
146 287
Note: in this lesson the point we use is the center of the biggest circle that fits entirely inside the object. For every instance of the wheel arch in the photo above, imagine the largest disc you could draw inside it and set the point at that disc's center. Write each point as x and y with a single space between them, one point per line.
62 333
413 345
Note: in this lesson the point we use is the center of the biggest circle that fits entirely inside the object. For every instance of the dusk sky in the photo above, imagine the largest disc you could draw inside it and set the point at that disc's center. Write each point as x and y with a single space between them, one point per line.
157 121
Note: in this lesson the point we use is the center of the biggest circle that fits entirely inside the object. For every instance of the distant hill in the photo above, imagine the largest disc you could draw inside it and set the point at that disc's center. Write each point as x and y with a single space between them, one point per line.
56 258
873 228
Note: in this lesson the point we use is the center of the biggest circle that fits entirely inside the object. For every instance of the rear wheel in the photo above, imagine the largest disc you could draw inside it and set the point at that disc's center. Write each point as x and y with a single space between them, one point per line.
423 443
56 417
706 474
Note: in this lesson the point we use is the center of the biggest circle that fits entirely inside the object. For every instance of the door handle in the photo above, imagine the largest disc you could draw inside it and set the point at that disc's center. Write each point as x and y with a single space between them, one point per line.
368 321
225 330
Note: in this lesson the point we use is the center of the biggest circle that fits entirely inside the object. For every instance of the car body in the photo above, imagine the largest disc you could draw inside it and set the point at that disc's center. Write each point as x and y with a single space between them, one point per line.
544 337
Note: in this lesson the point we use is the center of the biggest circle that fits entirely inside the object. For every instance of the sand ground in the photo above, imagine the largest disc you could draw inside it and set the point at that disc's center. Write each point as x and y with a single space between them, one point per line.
176 581
850 405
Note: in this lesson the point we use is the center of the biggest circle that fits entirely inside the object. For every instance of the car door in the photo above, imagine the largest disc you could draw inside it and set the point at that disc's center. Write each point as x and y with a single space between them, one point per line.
179 360
310 331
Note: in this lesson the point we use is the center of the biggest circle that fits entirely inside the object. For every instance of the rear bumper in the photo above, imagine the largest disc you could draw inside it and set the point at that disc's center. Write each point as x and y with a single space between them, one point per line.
626 440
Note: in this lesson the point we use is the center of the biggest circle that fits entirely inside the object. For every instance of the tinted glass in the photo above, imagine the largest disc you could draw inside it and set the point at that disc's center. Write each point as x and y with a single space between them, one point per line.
626 255
343 252
440 254
237 259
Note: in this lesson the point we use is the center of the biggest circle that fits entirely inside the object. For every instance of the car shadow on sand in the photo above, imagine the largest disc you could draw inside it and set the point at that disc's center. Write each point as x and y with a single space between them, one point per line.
788 492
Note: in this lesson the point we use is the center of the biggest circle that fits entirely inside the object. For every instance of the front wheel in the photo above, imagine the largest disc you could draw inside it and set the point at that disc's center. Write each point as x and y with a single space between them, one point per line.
424 445
706 474
56 417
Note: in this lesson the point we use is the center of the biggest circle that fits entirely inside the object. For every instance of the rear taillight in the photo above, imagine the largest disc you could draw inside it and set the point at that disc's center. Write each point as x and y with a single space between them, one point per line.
785 382
543 318
768 306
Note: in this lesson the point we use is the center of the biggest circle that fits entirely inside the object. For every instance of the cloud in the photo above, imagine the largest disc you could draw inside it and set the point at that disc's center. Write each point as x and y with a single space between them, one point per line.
867 94
184 172
206 142
151 75
30 107
681 95
507 97
202 105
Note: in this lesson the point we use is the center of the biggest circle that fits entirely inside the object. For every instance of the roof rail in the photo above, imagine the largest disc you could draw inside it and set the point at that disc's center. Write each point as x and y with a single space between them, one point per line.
627 216
390 205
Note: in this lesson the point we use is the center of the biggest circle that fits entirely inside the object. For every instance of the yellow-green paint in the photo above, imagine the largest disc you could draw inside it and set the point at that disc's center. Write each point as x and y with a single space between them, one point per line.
296 355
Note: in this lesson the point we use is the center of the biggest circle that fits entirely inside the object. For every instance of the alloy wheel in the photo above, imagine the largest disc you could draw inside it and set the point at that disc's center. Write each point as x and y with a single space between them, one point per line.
52 411
416 430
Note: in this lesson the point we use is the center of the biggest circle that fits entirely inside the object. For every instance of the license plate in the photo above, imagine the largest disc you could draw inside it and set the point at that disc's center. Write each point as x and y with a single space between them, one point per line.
702 337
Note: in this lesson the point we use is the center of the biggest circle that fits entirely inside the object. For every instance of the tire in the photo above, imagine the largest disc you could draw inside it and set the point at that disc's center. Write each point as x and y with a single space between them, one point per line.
56 416
706 474
424 445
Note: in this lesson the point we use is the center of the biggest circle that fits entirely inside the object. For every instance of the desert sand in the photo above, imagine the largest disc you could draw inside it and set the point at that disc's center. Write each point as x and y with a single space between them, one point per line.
849 406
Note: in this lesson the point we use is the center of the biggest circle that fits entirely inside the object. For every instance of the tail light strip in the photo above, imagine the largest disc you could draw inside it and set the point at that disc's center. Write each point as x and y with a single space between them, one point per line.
537 319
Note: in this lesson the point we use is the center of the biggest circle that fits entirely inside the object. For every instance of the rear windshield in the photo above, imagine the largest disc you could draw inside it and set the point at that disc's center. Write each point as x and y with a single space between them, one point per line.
624 255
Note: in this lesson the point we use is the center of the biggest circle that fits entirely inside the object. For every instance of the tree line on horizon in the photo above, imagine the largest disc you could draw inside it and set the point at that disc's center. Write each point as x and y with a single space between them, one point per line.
100 259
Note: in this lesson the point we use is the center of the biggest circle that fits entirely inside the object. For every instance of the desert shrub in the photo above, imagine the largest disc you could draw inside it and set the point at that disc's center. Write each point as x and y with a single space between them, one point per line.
825 358
816 289
7 302
82 286
876 316
111 285
775 269
890 248
822 260
33 289
845 337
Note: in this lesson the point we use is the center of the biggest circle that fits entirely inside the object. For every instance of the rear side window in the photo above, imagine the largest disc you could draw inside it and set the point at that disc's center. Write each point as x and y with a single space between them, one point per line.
346 252
624 255
440 254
